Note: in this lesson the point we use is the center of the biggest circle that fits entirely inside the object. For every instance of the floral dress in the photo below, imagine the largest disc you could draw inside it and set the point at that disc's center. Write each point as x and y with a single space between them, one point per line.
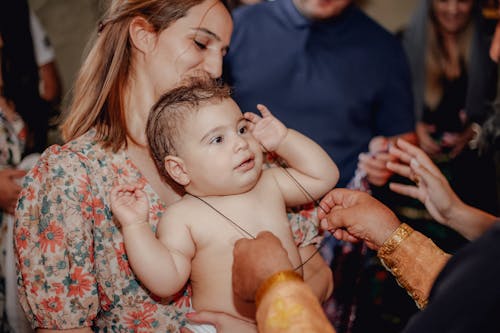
12 140
74 270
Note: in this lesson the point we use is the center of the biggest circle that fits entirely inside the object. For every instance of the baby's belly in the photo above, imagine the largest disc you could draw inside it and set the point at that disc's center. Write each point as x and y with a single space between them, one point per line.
214 293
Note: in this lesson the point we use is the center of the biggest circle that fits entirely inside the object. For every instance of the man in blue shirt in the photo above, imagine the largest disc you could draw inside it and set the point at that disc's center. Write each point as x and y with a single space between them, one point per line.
326 69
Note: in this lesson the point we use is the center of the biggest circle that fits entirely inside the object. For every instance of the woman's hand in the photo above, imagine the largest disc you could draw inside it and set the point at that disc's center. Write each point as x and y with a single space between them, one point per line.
431 187
457 141
268 130
425 139
374 163
223 322
353 216
9 189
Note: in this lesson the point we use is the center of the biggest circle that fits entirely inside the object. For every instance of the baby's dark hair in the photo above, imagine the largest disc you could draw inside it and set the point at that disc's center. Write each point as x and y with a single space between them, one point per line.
166 119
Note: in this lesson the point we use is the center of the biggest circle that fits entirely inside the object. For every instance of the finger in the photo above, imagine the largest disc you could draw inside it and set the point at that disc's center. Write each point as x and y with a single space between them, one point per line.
400 155
203 317
408 190
401 169
371 162
332 199
264 111
14 173
418 154
252 117
430 179
345 236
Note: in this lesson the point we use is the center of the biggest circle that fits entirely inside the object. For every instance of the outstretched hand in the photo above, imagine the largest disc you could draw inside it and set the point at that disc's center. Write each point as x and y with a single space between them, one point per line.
431 187
354 215
10 189
129 204
268 130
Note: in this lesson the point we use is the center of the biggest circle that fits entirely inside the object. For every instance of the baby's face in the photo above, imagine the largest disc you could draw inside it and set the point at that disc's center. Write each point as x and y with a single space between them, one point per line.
220 154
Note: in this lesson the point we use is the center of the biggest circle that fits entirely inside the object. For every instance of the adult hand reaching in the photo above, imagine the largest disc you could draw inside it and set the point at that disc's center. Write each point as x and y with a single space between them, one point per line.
434 191
353 216
431 187
9 189
249 267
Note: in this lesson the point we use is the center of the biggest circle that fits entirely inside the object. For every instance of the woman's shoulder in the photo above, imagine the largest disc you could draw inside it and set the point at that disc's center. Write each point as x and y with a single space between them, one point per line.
85 148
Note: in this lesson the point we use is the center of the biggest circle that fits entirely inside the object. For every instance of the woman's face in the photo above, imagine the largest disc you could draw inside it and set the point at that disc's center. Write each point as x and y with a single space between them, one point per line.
191 46
452 15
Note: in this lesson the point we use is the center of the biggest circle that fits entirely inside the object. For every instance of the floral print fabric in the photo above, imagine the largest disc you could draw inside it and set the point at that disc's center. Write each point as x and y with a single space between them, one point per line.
73 266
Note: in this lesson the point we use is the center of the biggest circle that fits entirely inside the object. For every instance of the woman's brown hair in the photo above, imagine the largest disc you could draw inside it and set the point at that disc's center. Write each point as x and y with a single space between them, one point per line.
98 99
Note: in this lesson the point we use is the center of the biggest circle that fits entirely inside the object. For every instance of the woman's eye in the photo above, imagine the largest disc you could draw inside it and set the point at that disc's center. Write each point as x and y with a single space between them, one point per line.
217 139
200 45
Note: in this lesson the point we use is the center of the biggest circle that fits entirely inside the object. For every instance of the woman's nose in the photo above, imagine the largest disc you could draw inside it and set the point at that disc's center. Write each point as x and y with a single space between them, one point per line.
213 65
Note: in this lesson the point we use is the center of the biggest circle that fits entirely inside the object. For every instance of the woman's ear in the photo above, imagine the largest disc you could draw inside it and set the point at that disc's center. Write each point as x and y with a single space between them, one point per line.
142 34
176 170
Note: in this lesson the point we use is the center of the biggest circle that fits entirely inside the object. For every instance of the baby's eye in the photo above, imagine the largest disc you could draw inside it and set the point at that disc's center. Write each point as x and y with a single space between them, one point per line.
217 139
243 130
200 45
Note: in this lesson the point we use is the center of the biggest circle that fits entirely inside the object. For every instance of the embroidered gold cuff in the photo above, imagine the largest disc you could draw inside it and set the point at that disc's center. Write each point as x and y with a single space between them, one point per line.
399 235
272 281
414 260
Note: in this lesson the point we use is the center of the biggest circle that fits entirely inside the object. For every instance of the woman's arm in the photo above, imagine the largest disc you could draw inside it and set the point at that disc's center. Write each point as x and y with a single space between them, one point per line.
53 242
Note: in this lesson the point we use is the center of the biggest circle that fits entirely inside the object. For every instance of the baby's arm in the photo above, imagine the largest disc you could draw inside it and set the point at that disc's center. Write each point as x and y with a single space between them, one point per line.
162 267
317 274
308 163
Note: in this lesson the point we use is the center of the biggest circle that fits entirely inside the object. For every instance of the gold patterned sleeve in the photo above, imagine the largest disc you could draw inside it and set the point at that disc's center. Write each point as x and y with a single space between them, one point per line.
285 304
414 260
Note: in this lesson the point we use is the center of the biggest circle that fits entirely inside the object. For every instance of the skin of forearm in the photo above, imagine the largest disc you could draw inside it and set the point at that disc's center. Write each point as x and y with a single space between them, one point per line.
308 158
317 274
153 263
469 221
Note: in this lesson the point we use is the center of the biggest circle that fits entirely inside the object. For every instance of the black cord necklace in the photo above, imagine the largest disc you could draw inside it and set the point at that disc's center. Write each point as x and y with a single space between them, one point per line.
244 231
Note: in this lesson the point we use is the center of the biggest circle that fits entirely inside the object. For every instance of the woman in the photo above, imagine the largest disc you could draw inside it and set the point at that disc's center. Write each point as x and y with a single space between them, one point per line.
74 272
454 83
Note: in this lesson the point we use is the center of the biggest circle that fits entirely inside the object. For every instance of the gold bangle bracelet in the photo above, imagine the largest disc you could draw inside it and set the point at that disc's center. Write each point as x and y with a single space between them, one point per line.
399 235
273 280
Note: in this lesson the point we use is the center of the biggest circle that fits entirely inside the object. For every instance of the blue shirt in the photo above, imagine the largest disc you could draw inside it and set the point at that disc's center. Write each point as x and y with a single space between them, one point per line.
340 82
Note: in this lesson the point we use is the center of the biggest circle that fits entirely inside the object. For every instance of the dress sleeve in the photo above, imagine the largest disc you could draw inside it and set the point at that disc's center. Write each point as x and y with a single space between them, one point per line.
54 245
414 260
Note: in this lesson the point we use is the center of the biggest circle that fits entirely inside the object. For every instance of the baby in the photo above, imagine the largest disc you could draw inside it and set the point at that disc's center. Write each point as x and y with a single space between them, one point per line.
200 139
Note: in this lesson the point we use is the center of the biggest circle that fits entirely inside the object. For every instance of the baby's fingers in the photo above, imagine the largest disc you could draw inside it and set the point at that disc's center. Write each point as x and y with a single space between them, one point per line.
264 111
252 117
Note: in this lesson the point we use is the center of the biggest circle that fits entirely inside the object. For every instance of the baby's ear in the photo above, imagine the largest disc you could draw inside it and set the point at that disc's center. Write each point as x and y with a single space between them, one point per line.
176 170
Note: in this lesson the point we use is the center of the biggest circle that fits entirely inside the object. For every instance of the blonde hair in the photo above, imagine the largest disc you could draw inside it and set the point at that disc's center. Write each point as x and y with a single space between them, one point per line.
440 63
98 99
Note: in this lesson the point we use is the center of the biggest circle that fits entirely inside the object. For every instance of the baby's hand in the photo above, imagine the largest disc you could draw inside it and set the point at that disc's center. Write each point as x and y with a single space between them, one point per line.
268 130
129 204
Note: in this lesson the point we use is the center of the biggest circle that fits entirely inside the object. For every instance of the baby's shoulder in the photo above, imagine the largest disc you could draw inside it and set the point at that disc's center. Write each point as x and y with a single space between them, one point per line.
182 210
